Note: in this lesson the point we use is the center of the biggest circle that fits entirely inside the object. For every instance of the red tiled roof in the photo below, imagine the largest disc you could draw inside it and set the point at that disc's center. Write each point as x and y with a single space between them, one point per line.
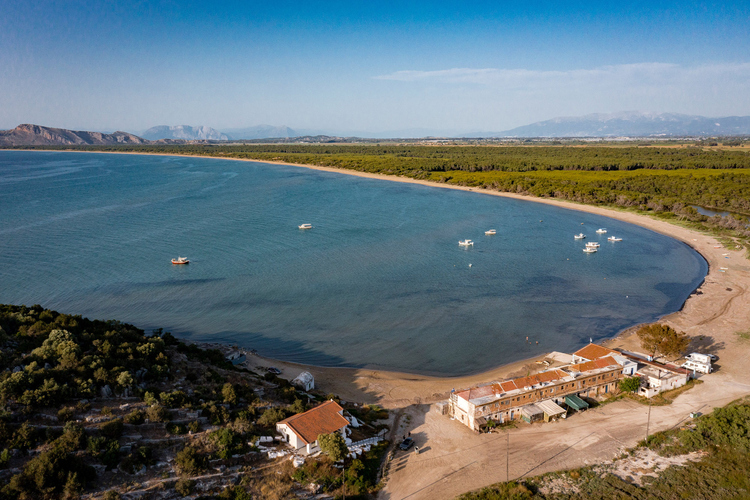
594 351
323 419
595 364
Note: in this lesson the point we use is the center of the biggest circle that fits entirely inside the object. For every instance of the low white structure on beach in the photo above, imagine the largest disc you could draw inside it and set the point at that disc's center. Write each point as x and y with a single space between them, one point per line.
304 381
655 380
697 362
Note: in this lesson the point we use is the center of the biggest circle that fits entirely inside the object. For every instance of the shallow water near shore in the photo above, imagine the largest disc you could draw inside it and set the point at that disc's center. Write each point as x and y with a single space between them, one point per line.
380 280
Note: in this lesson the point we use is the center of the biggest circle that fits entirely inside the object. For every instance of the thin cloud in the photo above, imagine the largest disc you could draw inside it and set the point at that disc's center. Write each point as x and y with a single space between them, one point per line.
625 74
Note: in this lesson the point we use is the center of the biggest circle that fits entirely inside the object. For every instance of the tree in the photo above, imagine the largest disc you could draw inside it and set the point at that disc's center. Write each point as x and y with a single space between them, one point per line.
662 339
184 486
125 379
229 394
271 416
189 462
630 384
333 445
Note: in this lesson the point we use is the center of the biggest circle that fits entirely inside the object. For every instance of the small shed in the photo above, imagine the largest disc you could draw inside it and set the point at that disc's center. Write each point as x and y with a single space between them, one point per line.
304 381
551 410
531 413
575 402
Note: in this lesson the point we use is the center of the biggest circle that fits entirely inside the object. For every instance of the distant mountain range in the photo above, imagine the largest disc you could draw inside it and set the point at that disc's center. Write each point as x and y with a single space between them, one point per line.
632 124
184 132
624 124
36 135
261 132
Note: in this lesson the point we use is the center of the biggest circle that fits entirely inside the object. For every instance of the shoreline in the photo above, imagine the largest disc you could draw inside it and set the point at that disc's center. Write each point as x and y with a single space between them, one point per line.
396 388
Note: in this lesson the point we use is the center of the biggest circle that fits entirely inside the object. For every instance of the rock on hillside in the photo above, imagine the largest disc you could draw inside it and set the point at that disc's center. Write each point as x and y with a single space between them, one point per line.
37 135
184 132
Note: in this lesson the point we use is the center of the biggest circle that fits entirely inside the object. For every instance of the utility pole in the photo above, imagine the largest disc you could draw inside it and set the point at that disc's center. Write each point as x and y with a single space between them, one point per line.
507 456
648 422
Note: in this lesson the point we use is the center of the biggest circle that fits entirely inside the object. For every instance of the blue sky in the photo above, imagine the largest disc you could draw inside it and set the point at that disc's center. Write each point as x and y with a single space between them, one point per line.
341 67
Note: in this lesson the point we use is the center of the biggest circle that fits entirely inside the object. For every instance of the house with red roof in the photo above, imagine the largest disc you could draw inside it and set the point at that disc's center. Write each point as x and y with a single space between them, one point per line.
301 431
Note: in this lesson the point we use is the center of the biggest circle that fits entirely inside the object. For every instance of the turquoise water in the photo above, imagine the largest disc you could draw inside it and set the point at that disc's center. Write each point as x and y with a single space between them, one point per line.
380 281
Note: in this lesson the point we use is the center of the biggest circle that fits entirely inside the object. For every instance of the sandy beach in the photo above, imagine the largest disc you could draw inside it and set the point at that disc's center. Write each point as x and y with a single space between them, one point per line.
455 460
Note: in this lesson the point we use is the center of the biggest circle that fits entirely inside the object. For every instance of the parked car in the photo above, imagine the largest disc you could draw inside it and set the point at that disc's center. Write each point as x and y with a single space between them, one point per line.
273 370
406 444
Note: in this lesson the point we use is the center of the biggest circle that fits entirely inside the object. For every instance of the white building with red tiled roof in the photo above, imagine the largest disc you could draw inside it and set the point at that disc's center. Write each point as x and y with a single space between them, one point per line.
503 401
595 351
301 431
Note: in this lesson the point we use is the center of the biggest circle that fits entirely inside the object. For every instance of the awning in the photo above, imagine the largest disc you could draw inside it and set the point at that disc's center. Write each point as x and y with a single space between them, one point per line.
531 410
550 408
480 421
575 402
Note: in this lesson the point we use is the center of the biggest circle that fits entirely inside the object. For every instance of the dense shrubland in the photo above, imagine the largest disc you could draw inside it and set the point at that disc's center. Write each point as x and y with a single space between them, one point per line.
72 390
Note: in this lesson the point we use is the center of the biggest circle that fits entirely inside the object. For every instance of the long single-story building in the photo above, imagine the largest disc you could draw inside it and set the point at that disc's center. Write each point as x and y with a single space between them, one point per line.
301 431
503 401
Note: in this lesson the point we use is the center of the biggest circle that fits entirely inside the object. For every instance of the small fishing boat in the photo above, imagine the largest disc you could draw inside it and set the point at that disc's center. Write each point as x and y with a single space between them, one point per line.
579 236
589 250
180 260
614 238
466 243
490 232
601 230
305 226
592 244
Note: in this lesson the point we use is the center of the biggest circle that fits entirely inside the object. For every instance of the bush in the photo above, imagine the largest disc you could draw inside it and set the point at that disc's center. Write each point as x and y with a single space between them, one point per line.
111 495
112 429
176 429
135 417
174 399
189 462
228 443
630 384
65 414
157 413
271 417
184 486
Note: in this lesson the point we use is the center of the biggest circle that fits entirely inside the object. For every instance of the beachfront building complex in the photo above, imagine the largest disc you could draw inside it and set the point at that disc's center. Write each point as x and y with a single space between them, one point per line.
506 401
593 371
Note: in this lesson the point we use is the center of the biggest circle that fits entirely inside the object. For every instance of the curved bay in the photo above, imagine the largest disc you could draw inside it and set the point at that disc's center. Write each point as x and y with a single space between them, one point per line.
380 281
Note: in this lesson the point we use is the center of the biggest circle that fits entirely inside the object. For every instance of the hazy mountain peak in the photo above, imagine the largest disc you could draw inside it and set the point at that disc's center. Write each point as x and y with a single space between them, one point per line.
633 124
36 135
184 132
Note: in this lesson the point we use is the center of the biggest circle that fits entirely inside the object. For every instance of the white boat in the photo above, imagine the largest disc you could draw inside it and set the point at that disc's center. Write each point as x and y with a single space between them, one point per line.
593 244
579 236
180 260
466 243
305 226
490 232
601 230
614 238
589 250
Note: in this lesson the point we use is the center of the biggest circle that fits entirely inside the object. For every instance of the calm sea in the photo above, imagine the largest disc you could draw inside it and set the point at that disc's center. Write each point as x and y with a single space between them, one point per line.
379 282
